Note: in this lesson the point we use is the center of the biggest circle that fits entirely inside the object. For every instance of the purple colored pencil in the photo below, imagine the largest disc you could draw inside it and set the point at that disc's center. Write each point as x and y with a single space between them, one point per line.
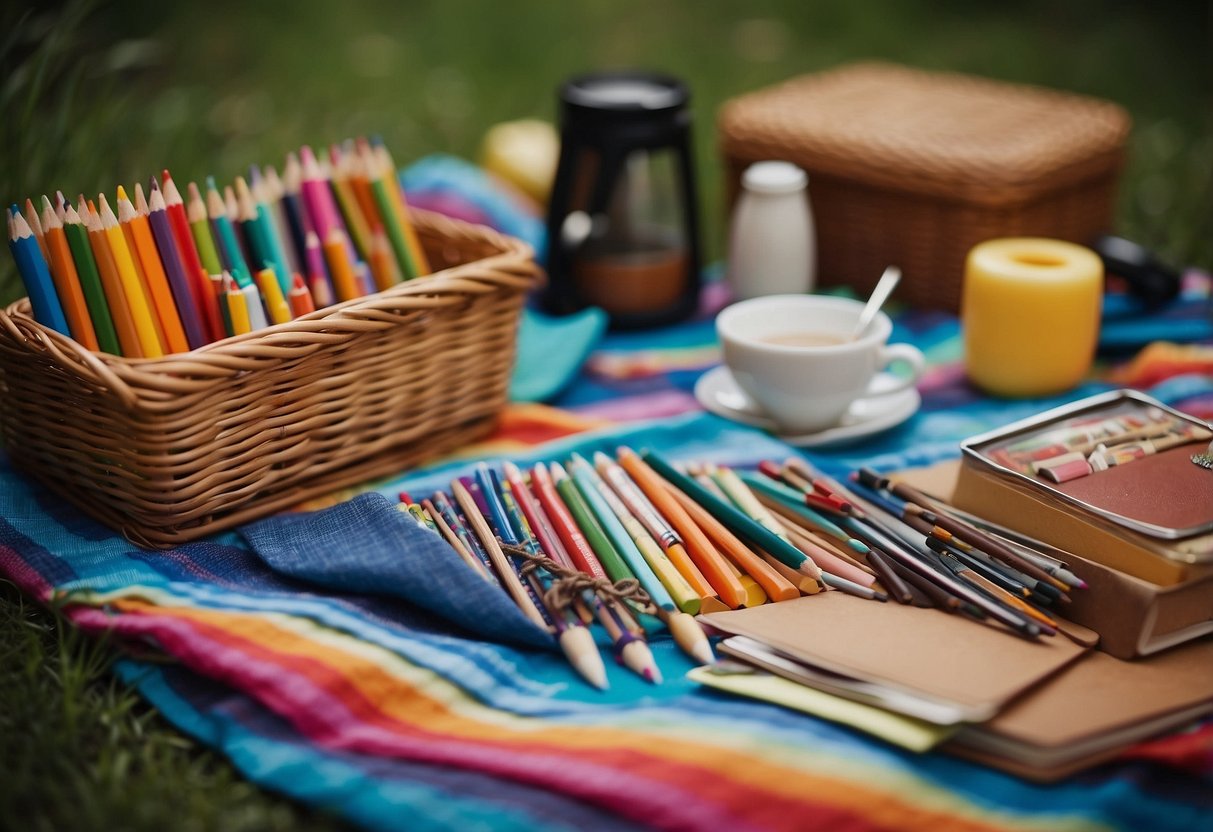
174 270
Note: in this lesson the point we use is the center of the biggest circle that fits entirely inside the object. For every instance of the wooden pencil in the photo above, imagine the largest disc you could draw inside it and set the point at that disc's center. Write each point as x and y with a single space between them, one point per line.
66 279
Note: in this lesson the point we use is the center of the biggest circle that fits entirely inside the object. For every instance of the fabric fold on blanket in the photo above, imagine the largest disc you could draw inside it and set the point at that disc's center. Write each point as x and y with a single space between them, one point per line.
366 545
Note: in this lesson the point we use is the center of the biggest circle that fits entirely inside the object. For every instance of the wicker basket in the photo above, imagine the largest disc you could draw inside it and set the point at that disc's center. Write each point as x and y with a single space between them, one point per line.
914 168
167 450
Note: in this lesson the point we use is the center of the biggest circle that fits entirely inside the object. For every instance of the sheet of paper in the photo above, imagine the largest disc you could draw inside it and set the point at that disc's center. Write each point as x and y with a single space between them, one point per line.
912 734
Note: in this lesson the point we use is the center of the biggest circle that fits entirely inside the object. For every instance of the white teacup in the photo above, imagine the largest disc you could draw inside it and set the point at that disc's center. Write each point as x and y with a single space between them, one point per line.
794 356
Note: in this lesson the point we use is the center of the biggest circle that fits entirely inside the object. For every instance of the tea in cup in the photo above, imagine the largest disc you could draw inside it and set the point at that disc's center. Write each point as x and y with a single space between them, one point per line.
795 356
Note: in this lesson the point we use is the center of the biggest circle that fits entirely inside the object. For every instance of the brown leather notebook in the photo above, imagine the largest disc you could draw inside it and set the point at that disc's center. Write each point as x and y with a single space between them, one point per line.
1092 711
1165 489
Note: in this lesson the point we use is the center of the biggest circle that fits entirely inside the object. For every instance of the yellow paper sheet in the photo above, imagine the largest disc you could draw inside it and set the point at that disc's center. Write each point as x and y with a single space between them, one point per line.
903 731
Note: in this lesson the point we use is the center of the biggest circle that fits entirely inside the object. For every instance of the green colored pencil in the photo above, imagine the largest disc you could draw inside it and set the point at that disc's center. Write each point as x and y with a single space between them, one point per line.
90 281
611 561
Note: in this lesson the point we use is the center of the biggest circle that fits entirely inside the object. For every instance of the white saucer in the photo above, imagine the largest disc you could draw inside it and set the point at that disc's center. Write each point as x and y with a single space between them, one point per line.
718 392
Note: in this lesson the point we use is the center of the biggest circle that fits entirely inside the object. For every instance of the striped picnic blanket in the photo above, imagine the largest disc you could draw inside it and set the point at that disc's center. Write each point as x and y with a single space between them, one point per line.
393 718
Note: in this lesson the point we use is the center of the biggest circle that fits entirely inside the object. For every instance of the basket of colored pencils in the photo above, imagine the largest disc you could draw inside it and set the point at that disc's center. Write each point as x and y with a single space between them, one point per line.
182 365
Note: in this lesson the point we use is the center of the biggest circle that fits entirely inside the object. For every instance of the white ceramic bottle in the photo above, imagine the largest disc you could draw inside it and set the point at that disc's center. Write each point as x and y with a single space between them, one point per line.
772 243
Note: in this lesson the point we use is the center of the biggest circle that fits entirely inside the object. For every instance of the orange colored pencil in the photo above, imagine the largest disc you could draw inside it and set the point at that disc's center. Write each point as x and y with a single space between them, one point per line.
143 247
383 261
67 281
361 185
115 297
701 551
775 585
345 285
35 225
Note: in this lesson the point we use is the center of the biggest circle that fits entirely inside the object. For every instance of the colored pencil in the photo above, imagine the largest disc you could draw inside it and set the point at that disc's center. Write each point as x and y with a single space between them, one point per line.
318 200
124 322
193 270
144 247
610 513
570 534
939 516
549 541
505 572
204 240
710 562
268 191
386 167
140 306
90 281
35 274
256 310
574 499
453 539
68 285
225 235
382 261
681 592
773 583
35 225
745 528
631 651
355 221
451 515
356 161
237 306
345 286
292 208
381 187
275 303
300 298
263 234
658 528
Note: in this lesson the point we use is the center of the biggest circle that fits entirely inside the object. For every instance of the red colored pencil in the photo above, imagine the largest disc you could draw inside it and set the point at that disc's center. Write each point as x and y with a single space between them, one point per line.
570 535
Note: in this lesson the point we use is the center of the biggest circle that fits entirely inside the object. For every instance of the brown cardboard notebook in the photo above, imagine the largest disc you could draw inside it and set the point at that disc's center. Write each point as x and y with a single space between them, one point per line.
919 651
1091 711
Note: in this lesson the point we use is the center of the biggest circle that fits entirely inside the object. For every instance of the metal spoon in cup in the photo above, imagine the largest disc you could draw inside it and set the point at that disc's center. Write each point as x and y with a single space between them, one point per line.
884 287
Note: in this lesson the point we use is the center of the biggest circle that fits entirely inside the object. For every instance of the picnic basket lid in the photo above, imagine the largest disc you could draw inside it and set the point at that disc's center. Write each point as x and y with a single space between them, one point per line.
943 134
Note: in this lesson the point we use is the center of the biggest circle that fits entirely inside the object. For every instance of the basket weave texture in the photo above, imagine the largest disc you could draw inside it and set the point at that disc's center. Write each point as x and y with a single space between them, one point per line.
914 168
168 450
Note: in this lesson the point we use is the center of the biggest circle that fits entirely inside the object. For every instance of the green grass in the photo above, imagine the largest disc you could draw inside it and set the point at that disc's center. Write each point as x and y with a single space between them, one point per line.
79 750
92 95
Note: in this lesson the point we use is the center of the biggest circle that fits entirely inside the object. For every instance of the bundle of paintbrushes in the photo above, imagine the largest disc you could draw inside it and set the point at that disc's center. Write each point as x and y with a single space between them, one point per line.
634 538
165 275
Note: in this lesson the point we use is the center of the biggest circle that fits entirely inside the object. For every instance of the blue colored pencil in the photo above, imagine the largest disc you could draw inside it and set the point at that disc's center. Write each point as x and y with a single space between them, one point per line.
595 490
35 273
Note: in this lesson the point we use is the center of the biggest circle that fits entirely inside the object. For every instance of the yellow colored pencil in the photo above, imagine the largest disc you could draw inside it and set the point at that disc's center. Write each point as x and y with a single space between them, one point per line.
237 307
141 310
275 303
139 234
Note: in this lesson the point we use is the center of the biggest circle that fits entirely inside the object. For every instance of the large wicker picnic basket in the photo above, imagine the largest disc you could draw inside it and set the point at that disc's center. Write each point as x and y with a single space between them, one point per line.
914 168
167 450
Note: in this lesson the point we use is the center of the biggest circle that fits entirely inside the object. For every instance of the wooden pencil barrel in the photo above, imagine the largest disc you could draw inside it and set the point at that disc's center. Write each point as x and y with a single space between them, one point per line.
170 449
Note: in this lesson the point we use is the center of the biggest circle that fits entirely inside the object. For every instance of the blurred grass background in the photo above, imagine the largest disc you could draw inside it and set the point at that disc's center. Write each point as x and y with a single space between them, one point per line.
95 94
